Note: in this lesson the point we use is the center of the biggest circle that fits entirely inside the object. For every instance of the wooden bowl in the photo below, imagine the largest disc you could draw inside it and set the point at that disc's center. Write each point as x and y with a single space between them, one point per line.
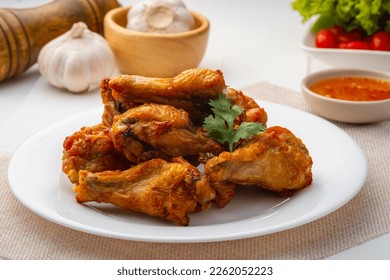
154 55
345 110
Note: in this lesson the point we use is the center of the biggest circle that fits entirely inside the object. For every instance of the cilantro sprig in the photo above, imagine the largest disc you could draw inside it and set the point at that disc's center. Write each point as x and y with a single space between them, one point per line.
220 126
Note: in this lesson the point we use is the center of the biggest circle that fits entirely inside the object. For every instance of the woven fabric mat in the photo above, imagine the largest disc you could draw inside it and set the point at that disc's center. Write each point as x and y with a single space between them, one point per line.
24 235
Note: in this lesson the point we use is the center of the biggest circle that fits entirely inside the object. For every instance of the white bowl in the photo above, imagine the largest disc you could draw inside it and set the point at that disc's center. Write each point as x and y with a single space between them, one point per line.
343 110
346 58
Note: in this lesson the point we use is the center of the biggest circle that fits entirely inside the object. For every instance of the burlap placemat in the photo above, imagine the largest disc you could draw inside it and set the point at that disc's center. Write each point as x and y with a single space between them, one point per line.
24 235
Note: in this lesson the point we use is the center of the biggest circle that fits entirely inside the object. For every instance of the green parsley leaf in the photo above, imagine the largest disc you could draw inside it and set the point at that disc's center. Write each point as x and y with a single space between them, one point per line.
220 126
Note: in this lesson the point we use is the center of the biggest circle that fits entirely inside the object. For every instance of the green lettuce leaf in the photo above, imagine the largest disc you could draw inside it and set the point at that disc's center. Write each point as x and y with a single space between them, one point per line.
368 15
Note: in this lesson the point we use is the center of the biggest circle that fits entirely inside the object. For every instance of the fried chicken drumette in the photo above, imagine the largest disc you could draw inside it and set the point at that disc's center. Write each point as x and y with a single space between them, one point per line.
275 160
190 90
252 111
139 157
91 149
169 190
162 128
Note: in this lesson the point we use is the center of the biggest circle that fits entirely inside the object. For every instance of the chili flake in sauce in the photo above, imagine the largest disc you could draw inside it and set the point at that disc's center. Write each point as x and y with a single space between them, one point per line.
353 88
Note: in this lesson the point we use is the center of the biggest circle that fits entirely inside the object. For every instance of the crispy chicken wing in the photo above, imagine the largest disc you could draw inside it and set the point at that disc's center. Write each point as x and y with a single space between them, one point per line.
275 160
224 192
156 187
191 90
91 149
205 194
162 128
138 157
252 111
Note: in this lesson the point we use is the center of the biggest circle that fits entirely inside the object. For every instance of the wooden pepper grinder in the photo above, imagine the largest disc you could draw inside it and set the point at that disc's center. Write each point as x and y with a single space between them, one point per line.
23 32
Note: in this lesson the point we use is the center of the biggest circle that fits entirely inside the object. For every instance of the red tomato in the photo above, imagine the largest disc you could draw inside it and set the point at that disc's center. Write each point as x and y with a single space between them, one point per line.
337 30
342 45
337 37
360 45
344 38
325 39
367 39
381 41
356 35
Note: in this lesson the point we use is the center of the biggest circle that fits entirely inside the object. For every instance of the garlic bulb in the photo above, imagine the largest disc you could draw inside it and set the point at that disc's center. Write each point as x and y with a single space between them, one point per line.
77 60
160 16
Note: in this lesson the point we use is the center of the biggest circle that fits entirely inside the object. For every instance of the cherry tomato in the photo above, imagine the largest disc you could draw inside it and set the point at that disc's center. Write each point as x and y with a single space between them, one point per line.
344 38
367 39
360 45
337 37
325 39
356 35
342 45
381 41
337 30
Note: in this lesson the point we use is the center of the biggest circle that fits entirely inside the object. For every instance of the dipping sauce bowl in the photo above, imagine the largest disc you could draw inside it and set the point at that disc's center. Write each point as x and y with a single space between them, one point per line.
349 95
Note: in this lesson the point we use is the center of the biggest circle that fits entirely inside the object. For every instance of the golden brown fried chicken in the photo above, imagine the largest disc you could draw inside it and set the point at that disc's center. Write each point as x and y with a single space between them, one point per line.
224 192
155 123
156 187
91 149
252 111
112 107
161 128
191 90
275 160
205 194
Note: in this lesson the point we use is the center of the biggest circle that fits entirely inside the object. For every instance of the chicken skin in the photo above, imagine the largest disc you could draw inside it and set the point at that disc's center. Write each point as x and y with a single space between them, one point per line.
275 160
190 90
143 155
156 187
252 111
161 128
91 149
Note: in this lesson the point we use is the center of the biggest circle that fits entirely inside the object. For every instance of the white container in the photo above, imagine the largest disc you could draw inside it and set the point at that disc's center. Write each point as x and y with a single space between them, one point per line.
344 110
346 58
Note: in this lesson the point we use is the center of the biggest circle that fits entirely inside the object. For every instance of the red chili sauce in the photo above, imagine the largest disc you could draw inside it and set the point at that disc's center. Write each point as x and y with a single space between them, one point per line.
353 88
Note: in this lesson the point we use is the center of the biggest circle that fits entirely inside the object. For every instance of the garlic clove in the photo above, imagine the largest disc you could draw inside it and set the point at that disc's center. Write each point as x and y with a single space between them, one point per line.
76 66
187 22
160 16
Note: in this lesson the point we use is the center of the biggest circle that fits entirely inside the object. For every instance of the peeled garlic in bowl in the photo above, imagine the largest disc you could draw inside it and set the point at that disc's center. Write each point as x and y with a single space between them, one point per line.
77 60
160 16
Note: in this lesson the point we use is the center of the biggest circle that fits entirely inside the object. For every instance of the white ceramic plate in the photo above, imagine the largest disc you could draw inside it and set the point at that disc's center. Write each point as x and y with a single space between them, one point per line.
344 58
339 171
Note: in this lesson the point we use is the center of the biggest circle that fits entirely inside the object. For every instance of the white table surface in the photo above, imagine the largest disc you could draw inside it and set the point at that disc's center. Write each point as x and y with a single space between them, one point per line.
250 41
